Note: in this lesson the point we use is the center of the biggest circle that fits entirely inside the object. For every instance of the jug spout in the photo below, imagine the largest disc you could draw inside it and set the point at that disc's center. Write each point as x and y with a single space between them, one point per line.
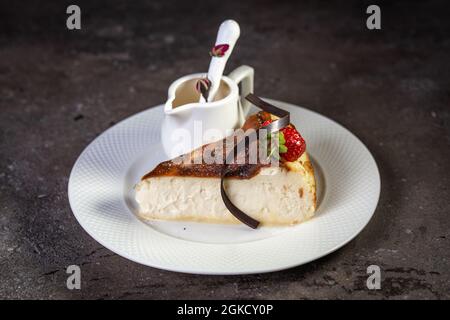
182 96
170 109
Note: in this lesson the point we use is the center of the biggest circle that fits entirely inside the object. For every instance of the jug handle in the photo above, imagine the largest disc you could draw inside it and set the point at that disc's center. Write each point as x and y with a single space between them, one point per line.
244 74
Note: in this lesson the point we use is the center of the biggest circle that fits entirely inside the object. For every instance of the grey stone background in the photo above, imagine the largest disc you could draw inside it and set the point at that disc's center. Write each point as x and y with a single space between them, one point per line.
60 89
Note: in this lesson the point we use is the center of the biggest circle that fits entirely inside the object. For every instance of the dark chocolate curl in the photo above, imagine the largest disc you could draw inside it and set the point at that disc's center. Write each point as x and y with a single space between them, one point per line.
282 122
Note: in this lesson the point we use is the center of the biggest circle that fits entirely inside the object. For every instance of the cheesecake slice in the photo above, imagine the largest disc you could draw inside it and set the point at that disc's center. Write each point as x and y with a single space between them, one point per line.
274 195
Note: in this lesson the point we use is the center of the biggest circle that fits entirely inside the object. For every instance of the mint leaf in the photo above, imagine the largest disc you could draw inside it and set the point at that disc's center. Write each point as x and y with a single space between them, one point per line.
281 138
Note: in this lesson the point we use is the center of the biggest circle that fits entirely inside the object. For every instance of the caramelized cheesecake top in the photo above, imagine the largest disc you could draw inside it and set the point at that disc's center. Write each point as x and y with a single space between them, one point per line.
193 165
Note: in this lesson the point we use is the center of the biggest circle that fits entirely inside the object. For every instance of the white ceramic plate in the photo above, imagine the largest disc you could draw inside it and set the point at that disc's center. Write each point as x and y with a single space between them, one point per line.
101 197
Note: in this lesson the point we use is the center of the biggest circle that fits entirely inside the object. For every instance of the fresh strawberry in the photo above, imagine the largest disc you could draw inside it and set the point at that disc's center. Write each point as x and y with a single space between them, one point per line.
294 144
291 143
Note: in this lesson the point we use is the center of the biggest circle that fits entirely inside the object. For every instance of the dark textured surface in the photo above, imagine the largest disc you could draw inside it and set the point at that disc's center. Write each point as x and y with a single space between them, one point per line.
59 89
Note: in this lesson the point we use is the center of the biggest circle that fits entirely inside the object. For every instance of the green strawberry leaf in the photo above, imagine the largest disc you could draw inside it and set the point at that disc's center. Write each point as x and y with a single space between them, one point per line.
283 148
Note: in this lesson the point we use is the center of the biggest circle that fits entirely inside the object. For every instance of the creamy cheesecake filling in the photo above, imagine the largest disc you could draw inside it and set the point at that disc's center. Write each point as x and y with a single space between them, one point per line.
274 196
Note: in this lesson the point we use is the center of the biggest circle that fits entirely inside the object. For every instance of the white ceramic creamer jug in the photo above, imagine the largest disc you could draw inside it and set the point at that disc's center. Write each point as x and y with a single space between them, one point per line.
189 123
